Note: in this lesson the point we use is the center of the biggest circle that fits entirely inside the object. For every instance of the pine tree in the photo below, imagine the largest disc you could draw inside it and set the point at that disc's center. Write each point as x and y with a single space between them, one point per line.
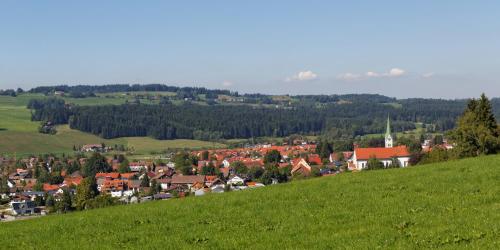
96 164
124 167
477 130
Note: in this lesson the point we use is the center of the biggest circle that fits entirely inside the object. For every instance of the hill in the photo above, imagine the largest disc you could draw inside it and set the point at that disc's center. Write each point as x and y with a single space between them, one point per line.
18 134
452 205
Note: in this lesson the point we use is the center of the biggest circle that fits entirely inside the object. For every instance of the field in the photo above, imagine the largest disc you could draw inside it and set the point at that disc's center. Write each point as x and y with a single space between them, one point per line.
18 134
415 133
452 205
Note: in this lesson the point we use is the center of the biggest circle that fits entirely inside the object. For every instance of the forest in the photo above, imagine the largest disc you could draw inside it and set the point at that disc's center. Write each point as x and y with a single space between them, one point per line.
193 121
341 116
113 88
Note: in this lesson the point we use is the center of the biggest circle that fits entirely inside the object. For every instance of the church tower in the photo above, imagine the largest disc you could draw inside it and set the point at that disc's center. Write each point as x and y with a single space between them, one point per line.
388 136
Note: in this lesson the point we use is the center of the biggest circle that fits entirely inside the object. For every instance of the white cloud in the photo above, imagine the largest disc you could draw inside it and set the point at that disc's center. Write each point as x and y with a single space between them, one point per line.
372 74
348 76
428 75
302 76
227 83
394 72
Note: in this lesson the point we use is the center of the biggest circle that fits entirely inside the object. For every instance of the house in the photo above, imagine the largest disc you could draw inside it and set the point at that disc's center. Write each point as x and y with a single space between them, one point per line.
337 157
185 182
33 194
314 159
137 166
168 171
134 185
50 188
23 207
211 180
385 155
112 186
165 183
92 148
128 176
301 168
109 176
72 181
200 192
235 181
217 189
162 196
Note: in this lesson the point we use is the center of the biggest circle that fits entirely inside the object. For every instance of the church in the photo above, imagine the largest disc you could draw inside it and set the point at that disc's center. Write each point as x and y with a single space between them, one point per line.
385 155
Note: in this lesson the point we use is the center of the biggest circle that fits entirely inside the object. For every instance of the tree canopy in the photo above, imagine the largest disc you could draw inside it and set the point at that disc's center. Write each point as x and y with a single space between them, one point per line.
476 132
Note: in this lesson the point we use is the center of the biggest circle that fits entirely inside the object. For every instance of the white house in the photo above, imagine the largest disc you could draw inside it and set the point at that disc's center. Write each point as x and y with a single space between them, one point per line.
137 166
236 181
23 207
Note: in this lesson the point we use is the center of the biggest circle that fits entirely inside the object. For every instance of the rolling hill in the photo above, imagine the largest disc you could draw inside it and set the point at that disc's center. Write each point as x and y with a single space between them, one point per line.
448 205
18 134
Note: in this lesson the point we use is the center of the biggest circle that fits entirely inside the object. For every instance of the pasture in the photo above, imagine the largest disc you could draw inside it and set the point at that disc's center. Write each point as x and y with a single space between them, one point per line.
19 135
451 205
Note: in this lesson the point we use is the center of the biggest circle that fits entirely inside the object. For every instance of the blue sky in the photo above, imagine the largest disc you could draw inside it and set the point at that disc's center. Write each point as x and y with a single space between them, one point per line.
447 49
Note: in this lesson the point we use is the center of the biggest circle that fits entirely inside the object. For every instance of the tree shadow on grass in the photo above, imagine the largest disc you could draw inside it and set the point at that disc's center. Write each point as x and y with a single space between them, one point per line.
3 129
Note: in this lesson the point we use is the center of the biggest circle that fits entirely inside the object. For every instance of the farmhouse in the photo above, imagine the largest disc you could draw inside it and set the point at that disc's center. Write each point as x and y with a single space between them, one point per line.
92 148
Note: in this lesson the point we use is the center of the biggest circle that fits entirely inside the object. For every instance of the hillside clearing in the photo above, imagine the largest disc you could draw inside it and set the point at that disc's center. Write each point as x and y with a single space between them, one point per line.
452 205
19 135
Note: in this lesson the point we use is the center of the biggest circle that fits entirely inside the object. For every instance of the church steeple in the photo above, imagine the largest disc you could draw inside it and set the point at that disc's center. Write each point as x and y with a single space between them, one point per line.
388 130
388 136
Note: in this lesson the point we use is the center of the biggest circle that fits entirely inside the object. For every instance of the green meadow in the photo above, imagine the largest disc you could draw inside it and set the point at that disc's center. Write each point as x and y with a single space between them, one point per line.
19 135
451 205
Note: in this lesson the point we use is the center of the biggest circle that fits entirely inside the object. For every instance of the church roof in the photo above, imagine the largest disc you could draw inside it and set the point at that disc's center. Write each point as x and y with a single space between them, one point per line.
381 153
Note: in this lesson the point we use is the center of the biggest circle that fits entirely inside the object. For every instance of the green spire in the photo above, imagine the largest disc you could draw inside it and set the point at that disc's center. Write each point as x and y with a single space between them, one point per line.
388 130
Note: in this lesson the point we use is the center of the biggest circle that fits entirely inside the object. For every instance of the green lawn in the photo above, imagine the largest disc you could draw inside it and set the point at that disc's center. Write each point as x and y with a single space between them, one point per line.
453 205
19 135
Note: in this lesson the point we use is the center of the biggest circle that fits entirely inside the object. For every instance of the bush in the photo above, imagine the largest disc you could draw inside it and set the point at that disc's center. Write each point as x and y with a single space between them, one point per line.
103 200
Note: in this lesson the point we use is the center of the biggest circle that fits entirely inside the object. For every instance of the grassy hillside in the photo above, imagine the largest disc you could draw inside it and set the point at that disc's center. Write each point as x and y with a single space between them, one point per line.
18 134
451 205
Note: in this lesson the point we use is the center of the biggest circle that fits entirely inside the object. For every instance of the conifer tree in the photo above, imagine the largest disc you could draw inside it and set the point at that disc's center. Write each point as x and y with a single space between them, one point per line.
477 130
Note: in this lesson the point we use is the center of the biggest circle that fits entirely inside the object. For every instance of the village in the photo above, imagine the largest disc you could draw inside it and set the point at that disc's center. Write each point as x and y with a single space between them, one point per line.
35 184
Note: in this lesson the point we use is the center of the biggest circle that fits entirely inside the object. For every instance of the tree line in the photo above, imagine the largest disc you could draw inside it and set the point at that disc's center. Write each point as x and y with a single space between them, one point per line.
191 121
111 88
213 122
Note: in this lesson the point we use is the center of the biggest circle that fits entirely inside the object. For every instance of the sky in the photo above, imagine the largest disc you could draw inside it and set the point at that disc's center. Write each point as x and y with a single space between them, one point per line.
439 49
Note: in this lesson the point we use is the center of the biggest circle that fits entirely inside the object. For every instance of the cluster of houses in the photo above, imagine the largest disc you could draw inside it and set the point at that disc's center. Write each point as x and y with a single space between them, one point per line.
298 159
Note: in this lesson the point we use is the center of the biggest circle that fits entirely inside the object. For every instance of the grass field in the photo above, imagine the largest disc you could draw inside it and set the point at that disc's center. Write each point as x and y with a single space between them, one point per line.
18 134
453 205
415 133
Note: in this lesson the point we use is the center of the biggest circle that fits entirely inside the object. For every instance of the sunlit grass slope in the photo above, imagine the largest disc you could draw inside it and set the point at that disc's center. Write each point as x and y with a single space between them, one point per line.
451 205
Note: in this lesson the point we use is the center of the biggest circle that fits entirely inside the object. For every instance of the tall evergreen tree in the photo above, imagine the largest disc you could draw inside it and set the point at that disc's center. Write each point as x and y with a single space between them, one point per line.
477 130
124 166
96 164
